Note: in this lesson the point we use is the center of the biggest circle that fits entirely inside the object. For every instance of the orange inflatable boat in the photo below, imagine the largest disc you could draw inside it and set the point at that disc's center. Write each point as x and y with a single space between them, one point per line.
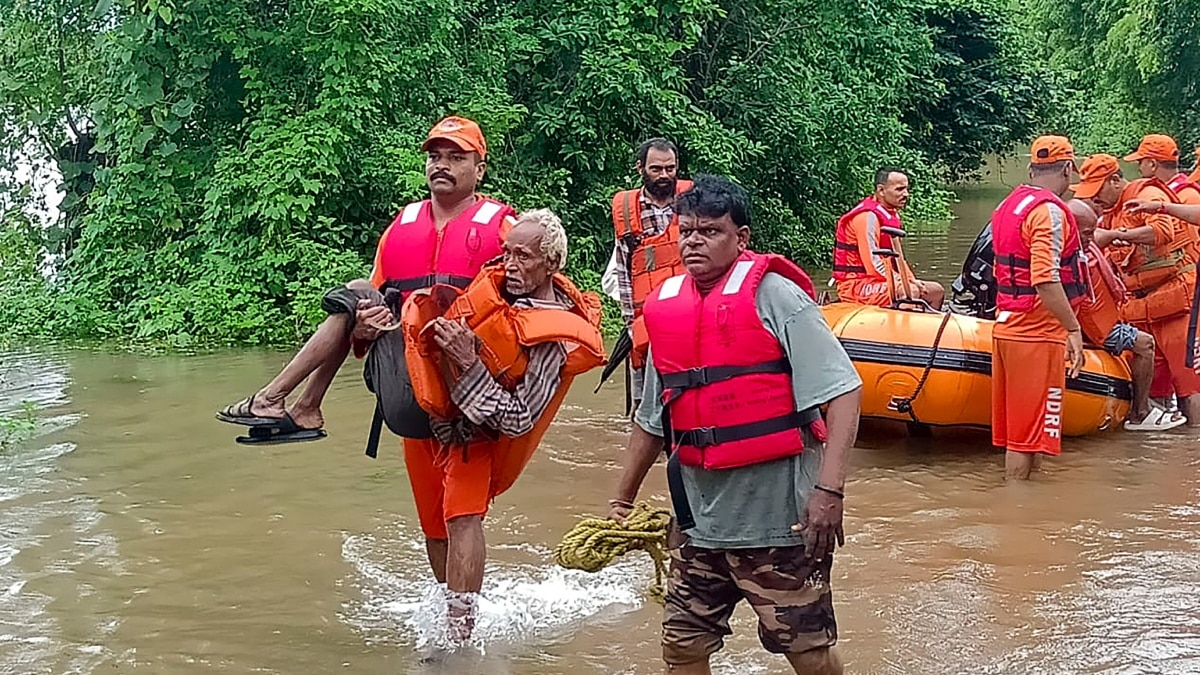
906 379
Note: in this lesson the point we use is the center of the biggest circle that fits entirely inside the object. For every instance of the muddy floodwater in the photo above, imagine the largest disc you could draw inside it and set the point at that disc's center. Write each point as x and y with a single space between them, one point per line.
136 536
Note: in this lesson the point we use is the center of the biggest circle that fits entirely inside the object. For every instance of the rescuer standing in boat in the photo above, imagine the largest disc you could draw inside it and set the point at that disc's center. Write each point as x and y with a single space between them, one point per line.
1157 156
646 248
742 359
1040 280
1156 255
861 275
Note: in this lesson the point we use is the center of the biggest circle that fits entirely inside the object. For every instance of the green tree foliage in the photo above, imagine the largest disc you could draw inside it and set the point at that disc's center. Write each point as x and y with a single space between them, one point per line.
982 93
232 159
1121 69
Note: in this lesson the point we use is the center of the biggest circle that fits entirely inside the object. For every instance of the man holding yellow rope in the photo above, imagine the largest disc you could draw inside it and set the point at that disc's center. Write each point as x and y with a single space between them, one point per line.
742 360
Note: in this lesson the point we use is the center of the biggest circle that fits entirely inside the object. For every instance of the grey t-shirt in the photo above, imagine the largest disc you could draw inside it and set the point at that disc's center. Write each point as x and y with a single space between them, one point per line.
756 506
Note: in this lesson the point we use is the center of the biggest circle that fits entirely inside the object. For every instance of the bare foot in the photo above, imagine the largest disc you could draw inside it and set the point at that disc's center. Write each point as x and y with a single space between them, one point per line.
461 609
307 418
255 410
263 405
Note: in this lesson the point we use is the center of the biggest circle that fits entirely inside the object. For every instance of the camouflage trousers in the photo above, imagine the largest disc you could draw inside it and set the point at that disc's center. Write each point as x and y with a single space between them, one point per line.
790 594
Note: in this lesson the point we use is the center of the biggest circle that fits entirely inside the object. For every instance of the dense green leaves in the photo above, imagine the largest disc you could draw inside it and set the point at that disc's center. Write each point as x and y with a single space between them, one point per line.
247 153
1121 68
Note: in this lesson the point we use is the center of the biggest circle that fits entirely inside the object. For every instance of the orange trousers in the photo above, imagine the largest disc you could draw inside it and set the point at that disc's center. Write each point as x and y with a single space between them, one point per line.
1028 386
864 292
1171 373
451 482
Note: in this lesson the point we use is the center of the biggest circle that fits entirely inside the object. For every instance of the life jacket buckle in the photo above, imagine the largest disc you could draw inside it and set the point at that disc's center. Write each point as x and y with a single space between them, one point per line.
702 437
698 377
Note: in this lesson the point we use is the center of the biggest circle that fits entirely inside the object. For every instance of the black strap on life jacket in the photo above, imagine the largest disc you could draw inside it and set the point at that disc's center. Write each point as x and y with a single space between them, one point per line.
677 383
426 281
703 437
857 269
707 436
1073 289
684 519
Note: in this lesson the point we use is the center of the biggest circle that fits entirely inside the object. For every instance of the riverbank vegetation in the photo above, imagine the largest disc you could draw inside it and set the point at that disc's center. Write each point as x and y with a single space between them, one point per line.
226 161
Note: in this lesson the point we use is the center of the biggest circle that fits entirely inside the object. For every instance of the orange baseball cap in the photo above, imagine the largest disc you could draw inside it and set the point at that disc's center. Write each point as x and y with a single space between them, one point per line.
1155 146
1051 149
1095 170
460 131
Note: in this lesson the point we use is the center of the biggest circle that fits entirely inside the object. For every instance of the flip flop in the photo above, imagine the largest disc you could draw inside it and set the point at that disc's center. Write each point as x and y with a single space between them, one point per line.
1157 420
286 431
239 413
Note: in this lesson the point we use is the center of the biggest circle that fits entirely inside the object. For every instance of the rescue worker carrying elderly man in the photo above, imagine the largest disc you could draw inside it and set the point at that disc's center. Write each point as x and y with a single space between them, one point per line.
472 336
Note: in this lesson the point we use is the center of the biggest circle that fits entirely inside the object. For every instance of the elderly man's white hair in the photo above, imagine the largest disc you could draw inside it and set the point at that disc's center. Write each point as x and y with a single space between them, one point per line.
554 239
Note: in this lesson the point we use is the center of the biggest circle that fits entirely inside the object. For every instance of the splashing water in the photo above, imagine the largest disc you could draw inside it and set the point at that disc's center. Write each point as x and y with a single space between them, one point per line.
521 604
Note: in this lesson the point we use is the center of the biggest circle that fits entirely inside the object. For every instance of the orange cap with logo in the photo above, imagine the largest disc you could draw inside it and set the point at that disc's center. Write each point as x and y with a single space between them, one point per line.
1051 149
460 131
1155 146
1095 170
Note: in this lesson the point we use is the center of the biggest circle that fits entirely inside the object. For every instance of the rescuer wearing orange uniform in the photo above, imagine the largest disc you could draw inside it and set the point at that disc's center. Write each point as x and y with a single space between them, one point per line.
1100 317
444 239
858 235
1156 255
1157 156
1040 279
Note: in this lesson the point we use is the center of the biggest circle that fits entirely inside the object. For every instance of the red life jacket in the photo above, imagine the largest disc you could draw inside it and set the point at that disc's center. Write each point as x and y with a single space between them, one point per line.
1014 287
1181 182
727 383
413 254
1107 273
847 264
652 258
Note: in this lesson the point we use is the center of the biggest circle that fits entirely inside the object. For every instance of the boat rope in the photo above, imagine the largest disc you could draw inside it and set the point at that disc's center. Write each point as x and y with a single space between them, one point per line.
904 405
594 543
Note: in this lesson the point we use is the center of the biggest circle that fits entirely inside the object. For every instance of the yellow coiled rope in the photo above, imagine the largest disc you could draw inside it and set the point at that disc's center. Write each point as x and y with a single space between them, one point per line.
594 543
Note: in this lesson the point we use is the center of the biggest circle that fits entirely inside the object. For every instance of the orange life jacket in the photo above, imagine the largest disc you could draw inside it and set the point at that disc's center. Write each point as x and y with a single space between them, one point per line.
506 332
413 254
652 259
1101 309
1155 275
